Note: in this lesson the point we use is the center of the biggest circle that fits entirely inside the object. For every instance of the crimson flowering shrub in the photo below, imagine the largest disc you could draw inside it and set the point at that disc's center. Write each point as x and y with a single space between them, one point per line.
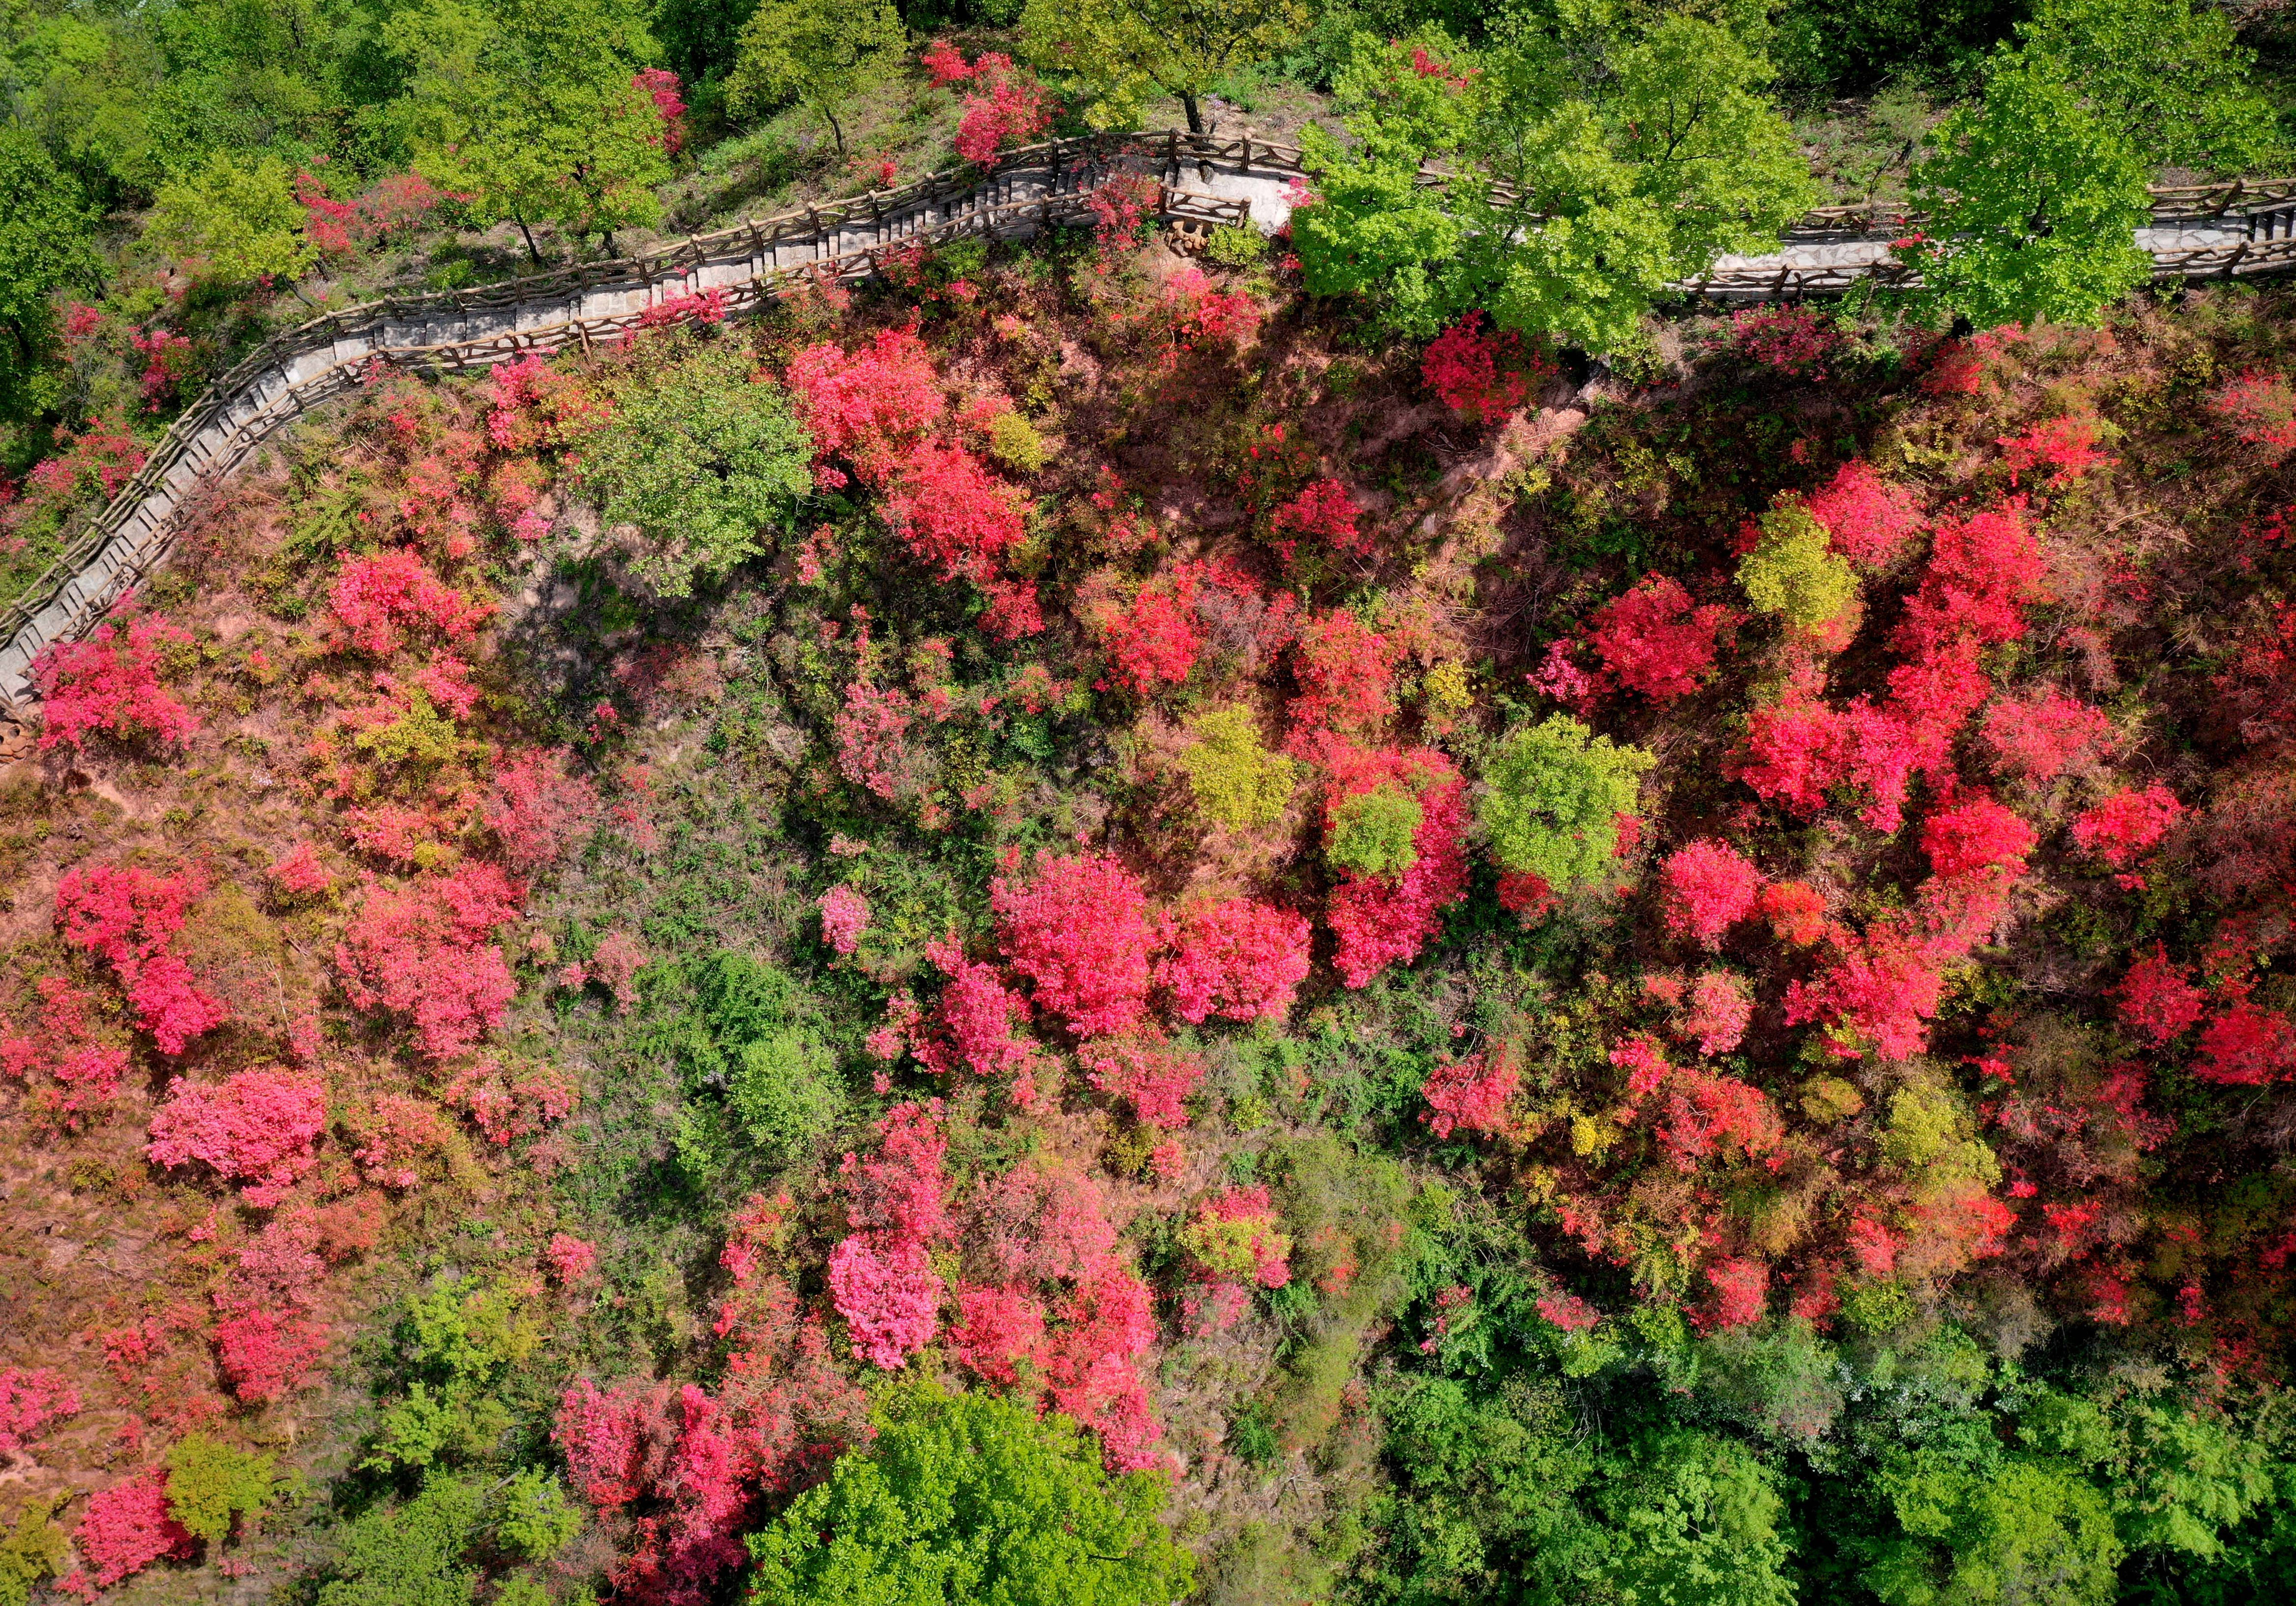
425 951
2127 825
2041 734
1792 339
110 682
258 1128
1346 674
508 1101
1154 1078
869 407
615 965
873 748
1983 570
1011 108
28 1402
981 1025
2156 1001
2067 447
2260 408
1796 912
1152 642
844 916
127 1528
127 917
1482 374
1653 642
1868 520
1741 1295
300 871
1470 1094
378 599
1382 919
953 513
2246 1046
1709 887
1078 929
1119 204
1324 513
537 810
1201 311
1716 1012
98 461
889 1297
266 1355
1978 838
1236 958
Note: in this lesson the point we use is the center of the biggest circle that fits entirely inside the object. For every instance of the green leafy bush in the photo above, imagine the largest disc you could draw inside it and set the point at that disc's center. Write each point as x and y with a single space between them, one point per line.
970 1497
412 1553
1372 832
1555 792
699 457
1236 780
785 1092
210 1482
1793 572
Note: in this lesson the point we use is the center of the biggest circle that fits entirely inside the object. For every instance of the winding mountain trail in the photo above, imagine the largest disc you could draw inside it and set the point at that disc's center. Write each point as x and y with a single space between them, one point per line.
2235 229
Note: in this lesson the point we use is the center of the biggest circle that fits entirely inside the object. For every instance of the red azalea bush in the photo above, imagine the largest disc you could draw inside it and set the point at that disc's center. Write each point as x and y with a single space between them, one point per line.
869 407
953 512
110 682
1379 919
425 951
1154 1078
257 1127
844 916
2041 734
2127 824
1478 372
537 811
1346 674
1709 887
129 917
1078 928
1323 514
127 1528
378 600
1653 642
28 1402
1470 1094
1153 643
1239 958
2246 1046
2066 446
2157 1002
1868 520
2260 408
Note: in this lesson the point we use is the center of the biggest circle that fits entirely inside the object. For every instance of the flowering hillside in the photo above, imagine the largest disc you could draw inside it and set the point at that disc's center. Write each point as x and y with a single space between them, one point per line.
1453 985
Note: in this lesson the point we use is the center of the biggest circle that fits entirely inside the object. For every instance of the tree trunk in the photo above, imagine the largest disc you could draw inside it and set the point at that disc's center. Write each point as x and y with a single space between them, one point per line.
528 232
1195 116
835 128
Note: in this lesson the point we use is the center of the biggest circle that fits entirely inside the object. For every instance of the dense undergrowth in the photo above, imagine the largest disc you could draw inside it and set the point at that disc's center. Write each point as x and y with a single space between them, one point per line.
1670 992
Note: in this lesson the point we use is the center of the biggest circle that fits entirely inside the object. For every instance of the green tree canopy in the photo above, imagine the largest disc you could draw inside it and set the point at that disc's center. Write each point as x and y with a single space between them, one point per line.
45 246
819 52
1123 50
241 220
1590 168
1979 1528
531 108
698 457
209 1483
1553 793
969 1497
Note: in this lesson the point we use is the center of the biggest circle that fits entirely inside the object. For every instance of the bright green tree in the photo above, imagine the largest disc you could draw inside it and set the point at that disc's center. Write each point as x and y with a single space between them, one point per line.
1793 570
32 1549
1375 832
1235 780
699 458
209 1483
1696 1520
2033 191
1987 1529
1588 169
1125 50
240 219
971 1497
1553 793
2032 201
412 1553
45 246
530 106
2173 80
819 52
783 1091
